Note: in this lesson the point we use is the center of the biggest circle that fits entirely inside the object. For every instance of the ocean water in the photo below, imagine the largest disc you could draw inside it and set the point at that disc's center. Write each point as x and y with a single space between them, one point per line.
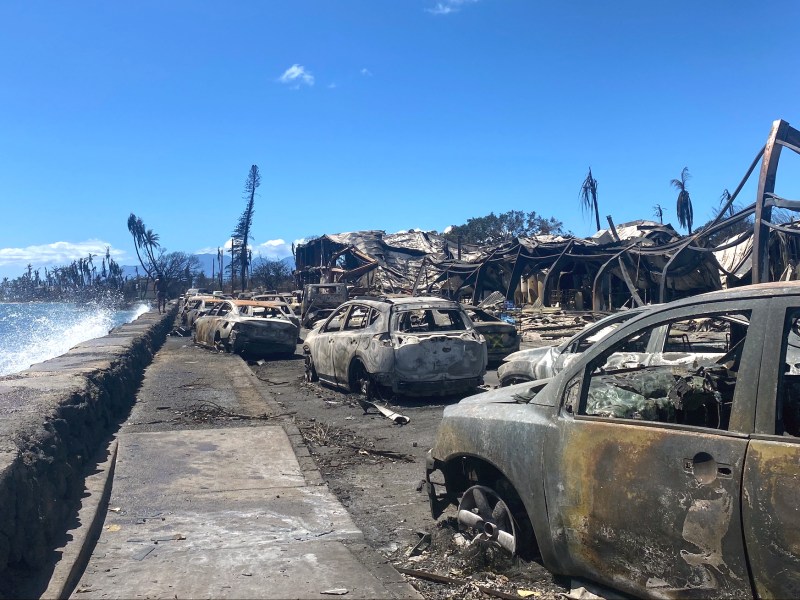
36 331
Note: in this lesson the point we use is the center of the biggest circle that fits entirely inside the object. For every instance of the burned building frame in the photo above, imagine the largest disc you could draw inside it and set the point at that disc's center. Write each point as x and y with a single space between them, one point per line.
630 264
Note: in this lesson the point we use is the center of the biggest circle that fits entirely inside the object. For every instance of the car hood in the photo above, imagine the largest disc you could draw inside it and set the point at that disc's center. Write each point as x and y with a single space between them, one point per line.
531 354
521 393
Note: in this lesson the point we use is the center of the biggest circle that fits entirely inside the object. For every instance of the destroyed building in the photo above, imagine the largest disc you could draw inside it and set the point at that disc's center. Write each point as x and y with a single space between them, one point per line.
628 264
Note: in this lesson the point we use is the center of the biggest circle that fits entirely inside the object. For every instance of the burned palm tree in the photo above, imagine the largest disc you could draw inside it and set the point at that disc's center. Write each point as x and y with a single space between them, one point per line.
136 229
588 197
684 206
658 211
220 259
145 240
242 232
725 203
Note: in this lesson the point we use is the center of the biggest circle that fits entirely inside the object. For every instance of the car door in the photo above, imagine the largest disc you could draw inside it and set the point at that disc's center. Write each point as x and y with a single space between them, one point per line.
204 327
644 495
225 314
771 503
346 342
322 352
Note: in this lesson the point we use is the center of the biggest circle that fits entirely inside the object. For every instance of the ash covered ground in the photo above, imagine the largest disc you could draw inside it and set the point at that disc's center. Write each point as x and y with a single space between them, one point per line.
377 469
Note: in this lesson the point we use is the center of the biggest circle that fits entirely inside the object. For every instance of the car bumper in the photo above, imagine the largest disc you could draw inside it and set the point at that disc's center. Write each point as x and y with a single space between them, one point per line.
443 387
435 485
246 344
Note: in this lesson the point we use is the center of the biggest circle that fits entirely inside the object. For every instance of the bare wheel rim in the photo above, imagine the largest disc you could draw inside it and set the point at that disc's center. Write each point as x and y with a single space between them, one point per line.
484 512
359 381
310 371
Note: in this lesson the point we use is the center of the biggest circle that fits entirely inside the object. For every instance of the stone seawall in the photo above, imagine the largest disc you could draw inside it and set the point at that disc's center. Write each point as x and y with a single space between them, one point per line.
53 419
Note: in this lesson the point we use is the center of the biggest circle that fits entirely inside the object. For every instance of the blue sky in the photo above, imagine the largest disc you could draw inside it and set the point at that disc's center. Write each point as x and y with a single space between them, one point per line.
373 114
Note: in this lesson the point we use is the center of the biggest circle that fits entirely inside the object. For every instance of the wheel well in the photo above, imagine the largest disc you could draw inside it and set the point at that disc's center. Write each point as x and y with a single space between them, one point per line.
355 364
463 472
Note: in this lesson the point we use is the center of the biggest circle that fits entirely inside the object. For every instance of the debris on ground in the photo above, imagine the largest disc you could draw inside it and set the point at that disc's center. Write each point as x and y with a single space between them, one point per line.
180 332
385 411
319 435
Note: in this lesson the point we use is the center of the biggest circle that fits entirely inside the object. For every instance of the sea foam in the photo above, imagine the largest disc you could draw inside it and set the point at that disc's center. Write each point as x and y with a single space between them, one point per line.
34 332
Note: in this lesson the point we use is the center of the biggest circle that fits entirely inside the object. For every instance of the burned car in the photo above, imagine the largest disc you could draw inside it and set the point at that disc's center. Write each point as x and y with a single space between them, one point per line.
320 300
673 480
501 337
281 302
247 327
543 362
407 346
197 306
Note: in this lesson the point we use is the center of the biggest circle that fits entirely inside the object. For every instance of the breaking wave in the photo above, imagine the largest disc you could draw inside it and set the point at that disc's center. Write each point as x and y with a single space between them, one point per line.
34 332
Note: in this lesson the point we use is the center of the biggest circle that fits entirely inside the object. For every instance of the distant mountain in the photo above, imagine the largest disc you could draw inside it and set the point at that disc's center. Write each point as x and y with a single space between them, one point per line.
207 264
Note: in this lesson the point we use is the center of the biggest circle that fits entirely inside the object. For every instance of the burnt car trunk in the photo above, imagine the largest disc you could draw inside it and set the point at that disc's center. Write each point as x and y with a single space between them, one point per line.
263 336
436 357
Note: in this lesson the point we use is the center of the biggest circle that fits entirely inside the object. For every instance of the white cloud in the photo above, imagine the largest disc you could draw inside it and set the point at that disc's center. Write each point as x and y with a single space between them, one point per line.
273 249
448 229
56 254
206 250
332 86
296 75
446 7
366 72
14 261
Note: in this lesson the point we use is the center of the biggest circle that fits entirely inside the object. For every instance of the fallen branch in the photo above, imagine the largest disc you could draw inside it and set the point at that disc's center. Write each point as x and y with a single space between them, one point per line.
384 453
452 580
214 410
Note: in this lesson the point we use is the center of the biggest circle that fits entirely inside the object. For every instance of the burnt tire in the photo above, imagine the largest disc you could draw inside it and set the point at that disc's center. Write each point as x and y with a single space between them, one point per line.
310 370
358 379
220 345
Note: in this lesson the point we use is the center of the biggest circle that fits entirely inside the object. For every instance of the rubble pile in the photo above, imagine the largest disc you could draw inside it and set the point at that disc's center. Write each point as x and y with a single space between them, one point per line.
552 327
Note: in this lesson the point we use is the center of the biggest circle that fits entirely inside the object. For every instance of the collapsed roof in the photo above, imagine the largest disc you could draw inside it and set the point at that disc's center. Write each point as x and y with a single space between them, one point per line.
630 264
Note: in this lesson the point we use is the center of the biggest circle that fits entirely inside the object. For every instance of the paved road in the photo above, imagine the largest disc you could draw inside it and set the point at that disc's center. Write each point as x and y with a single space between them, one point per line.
232 512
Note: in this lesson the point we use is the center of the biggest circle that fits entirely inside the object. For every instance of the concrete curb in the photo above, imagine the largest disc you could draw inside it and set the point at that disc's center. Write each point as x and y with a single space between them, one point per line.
307 465
392 579
91 516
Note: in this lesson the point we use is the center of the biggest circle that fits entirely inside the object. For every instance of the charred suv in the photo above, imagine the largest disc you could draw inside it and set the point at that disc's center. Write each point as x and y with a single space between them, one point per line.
663 470
408 346
247 327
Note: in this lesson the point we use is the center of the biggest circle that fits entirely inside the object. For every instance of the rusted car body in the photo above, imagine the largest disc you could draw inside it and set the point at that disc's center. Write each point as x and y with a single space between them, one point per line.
282 302
544 362
197 306
320 300
247 327
408 346
674 480
501 337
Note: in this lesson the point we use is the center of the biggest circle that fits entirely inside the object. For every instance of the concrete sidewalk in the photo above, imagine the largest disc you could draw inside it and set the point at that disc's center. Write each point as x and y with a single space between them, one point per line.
229 512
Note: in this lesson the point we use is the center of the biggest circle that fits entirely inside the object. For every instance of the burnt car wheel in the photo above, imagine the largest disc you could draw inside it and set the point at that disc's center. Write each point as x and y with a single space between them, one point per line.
491 519
359 380
311 371
222 345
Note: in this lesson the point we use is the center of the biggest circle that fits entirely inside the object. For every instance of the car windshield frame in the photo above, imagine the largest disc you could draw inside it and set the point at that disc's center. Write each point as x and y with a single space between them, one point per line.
430 325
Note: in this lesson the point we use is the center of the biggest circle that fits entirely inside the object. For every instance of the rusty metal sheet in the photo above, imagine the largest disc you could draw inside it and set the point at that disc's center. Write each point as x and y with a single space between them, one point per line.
771 516
648 508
